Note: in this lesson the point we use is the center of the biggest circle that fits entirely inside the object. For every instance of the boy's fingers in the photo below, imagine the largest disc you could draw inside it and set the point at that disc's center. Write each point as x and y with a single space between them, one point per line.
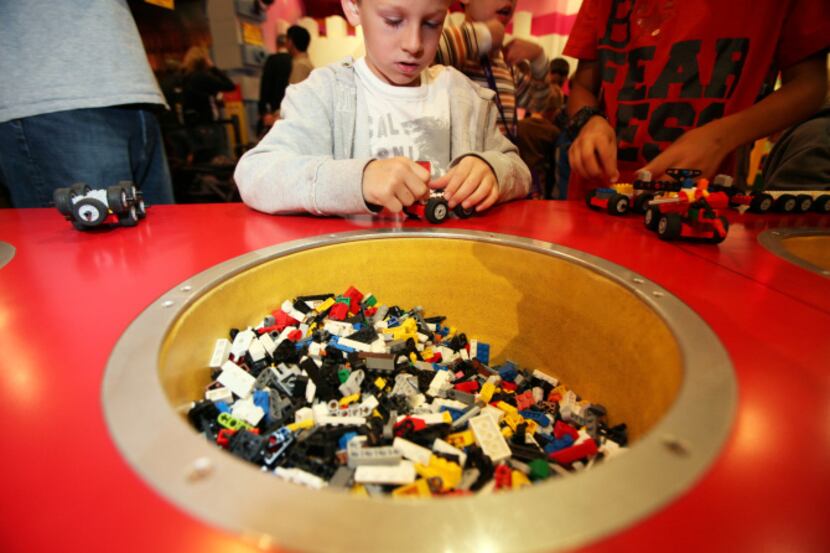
440 182
420 171
479 194
489 200
590 162
608 159
455 179
658 166
467 187
393 205
415 187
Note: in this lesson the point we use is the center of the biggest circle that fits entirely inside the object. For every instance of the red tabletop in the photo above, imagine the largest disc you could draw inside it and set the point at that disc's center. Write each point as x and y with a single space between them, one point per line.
66 297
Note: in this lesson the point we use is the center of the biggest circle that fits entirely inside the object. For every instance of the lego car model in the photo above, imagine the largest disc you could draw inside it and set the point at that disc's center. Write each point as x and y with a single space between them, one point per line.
691 214
620 198
87 208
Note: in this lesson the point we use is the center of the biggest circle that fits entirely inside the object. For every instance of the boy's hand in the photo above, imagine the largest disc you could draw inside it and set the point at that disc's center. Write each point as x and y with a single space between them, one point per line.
701 148
520 49
470 183
594 152
394 183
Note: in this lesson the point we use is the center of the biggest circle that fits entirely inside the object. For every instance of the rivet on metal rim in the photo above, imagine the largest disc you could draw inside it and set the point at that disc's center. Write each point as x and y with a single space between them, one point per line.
168 303
200 469
658 294
637 280
186 288
676 446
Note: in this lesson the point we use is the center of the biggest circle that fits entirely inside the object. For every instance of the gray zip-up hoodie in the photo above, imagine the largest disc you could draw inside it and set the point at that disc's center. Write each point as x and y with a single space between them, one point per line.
313 158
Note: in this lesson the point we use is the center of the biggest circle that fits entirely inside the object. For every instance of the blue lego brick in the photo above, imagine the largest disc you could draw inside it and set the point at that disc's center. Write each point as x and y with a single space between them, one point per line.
508 371
222 406
454 413
482 353
557 444
345 438
334 342
262 400
540 418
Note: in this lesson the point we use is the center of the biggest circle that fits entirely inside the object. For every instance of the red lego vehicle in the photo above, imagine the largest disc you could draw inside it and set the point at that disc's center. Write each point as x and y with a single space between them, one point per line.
691 213
620 198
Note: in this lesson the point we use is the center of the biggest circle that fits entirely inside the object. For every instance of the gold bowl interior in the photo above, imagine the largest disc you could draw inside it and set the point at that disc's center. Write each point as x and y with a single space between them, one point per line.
538 310
814 249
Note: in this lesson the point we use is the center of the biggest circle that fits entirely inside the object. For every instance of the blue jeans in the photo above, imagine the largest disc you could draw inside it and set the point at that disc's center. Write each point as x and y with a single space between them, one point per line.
98 146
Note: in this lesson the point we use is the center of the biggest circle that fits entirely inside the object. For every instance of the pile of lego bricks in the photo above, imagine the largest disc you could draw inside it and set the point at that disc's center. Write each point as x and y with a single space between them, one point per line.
340 391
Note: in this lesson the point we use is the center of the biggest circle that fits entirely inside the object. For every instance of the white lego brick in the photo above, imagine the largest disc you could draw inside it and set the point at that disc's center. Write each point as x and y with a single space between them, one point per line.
288 308
219 394
370 402
402 473
338 328
241 343
441 446
552 380
610 449
319 410
462 353
447 354
220 353
439 402
283 336
441 382
237 380
422 338
424 366
538 394
378 346
256 350
303 414
488 437
412 451
310 391
493 412
245 410
315 350
299 476
431 418
329 420
352 384
359 455
416 400
268 343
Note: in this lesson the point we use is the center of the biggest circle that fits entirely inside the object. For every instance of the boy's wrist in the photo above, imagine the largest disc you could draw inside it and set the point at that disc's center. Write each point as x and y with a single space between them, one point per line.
581 118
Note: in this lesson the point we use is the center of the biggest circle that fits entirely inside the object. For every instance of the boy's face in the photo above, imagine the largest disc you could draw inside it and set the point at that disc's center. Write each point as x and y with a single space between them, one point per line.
401 36
485 10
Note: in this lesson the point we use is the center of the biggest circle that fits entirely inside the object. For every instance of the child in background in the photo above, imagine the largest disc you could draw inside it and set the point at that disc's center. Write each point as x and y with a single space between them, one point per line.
517 72
352 132
665 83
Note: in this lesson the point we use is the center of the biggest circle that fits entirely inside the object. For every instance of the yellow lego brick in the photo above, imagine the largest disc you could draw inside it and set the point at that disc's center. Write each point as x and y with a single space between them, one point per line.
349 399
507 432
506 407
447 471
377 414
518 479
413 357
380 383
561 390
427 353
419 488
513 420
360 490
461 439
325 305
624 188
487 391
302 425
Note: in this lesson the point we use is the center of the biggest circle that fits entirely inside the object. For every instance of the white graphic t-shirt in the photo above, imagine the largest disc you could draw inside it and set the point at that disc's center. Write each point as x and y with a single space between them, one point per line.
409 121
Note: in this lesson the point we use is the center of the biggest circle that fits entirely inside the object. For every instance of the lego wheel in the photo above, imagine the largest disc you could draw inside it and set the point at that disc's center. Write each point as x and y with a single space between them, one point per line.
822 204
717 238
130 218
436 210
79 189
785 203
63 200
590 196
140 208
761 203
651 218
618 204
117 199
641 202
669 226
803 203
462 213
89 212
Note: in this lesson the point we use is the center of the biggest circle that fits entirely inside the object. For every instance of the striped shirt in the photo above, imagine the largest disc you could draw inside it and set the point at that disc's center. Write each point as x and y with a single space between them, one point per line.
464 47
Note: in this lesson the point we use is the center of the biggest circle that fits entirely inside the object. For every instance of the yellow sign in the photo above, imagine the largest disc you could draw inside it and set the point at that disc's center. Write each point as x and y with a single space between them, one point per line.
163 3
252 34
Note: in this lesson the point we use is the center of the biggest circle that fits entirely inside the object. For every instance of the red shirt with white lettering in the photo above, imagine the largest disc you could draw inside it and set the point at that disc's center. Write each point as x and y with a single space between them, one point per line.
668 66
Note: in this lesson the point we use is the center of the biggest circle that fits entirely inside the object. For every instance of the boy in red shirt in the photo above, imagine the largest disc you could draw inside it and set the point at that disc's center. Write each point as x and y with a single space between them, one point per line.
665 83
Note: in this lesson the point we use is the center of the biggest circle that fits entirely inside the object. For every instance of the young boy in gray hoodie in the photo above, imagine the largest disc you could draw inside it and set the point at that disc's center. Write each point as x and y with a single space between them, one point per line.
352 132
